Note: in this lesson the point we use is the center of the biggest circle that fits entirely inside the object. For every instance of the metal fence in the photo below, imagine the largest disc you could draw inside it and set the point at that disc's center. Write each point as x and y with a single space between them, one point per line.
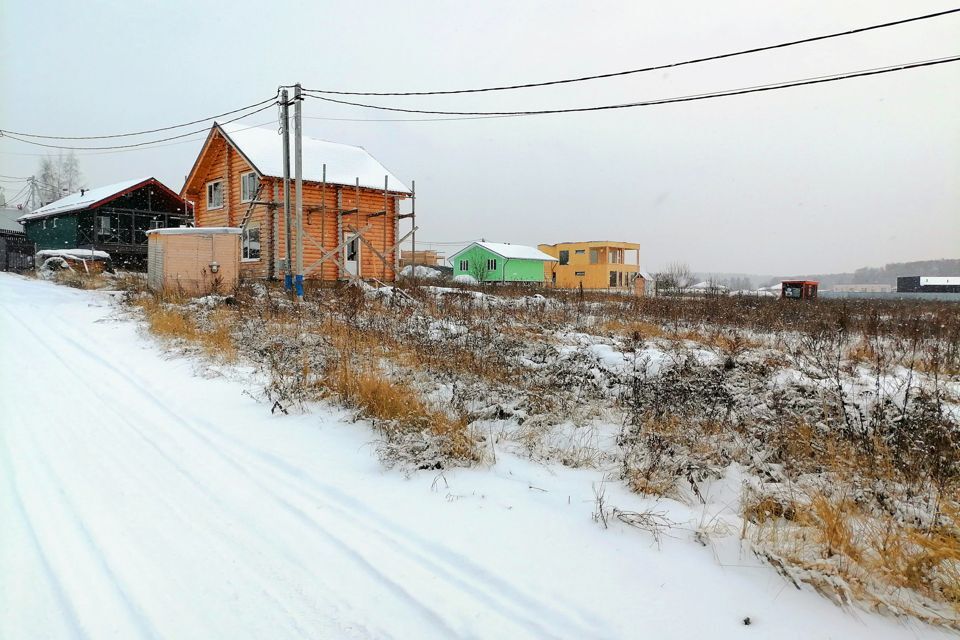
16 253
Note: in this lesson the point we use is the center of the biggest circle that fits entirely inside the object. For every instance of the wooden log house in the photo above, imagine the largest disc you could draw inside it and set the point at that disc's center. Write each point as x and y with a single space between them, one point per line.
350 214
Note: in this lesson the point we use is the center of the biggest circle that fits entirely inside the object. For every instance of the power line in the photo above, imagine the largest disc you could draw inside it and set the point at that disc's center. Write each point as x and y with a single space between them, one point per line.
137 133
404 119
14 177
157 146
19 193
645 103
645 69
4 134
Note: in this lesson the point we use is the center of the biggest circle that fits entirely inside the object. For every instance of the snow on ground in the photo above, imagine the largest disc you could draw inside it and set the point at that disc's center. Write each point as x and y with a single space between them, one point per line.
138 500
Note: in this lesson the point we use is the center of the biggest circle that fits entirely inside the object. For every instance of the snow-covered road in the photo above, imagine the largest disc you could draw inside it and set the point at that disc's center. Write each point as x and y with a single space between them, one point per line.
139 499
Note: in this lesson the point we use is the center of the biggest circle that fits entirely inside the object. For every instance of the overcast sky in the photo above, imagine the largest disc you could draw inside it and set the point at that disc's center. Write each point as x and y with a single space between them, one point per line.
815 179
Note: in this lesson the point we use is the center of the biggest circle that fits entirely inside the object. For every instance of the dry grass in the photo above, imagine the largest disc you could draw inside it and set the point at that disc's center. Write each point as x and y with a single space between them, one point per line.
213 334
397 408
168 321
81 279
854 555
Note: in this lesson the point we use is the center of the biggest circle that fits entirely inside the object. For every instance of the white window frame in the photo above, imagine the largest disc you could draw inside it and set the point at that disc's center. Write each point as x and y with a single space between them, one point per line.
100 229
44 223
209 185
464 265
54 223
243 183
245 240
491 264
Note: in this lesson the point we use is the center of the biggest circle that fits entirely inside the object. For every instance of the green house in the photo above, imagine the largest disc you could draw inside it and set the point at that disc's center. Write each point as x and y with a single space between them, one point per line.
114 218
500 262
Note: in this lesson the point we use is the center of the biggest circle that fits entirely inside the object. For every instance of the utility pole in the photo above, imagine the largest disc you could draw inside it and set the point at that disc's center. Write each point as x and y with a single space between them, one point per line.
298 170
413 238
284 124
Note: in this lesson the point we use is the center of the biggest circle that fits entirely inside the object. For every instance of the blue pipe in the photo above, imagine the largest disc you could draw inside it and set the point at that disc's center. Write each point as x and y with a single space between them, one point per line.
299 282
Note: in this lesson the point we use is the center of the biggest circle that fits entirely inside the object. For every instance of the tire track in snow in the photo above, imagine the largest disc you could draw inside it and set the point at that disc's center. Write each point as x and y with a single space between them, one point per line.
458 571
135 614
251 526
66 605
395 587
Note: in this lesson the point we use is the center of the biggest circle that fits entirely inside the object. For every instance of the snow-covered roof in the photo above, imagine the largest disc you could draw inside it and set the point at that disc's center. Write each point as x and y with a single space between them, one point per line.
176 231
510 251
645 275
345 163
82 254
8 220
83 199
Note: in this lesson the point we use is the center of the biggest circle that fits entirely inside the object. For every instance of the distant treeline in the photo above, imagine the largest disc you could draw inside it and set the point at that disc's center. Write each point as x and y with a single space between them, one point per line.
886 274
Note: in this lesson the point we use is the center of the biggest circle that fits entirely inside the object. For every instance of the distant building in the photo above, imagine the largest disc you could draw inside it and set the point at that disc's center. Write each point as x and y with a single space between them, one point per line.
500 262
601 264
928 284
799 289
114 218
863 288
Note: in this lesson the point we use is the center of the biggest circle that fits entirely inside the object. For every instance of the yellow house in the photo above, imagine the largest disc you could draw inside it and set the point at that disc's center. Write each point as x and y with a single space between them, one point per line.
601 264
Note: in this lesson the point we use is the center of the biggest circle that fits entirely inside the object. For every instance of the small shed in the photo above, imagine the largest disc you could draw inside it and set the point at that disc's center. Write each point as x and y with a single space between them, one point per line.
799 289
193 260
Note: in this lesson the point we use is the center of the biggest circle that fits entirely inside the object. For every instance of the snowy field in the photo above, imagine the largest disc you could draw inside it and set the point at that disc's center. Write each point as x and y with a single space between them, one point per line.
145 496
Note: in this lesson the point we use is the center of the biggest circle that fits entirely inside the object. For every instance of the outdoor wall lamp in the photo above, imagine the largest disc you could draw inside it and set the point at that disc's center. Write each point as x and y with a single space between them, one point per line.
214 267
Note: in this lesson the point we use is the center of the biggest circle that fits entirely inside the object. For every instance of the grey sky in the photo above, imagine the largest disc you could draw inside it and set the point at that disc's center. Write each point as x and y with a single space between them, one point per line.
814 179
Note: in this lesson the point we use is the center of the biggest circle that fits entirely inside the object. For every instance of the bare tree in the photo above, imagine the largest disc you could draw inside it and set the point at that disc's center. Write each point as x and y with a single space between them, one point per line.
58 176
674 279
478 268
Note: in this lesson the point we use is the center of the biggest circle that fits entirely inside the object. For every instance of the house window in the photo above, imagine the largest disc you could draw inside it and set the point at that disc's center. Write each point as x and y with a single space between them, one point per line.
251 242
156 224
215 195
464 265
620 278
491 264
580 274
580 252
613 278
353 248
564 257
248 186
594 256
103 225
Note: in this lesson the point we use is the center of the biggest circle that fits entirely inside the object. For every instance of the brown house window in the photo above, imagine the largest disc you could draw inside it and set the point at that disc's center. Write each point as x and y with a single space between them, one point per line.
215 195
251 242
248 186
613 278
564 257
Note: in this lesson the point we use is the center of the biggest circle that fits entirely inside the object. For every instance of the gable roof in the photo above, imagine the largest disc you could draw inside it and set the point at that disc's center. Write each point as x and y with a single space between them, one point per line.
263 150
509 251
89 198
8 220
